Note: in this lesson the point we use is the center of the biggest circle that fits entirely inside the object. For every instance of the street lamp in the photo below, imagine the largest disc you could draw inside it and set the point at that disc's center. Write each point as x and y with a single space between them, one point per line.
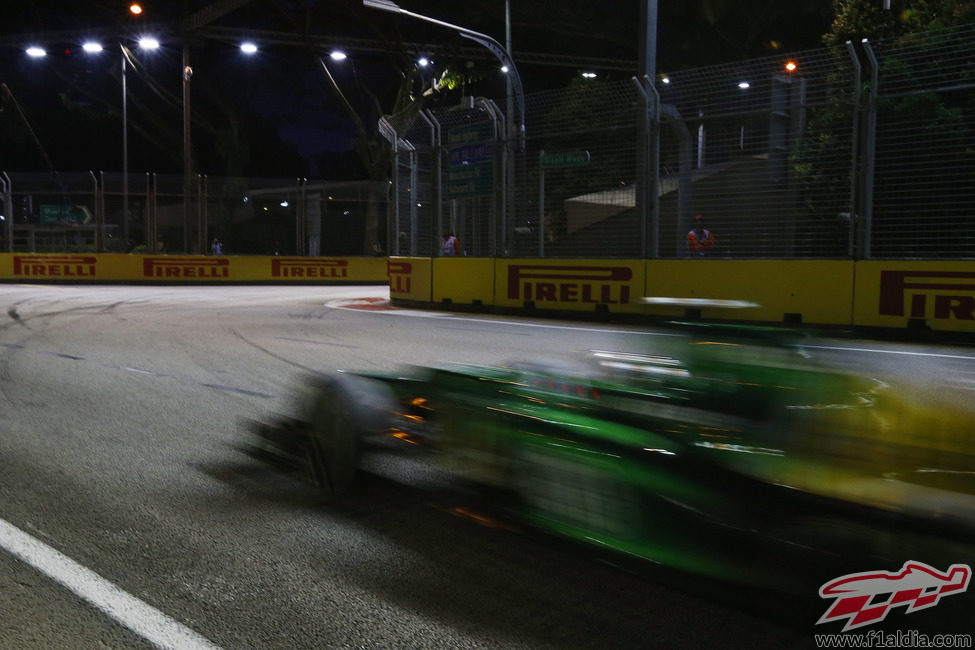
93 47
483 39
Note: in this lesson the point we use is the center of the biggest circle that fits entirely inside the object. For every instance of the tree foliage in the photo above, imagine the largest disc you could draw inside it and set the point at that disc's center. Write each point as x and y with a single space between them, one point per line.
854 20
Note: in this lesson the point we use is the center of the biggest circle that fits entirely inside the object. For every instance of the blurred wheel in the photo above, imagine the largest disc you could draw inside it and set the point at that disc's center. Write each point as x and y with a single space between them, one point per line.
345 407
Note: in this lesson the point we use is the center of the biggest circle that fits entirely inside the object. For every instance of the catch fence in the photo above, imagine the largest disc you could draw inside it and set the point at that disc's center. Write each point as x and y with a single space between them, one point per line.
107 212
860 151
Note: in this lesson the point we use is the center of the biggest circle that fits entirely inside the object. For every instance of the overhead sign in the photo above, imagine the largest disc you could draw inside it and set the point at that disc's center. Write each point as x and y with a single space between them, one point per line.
65 214
470 161
470 181
471 134
469 154
562 159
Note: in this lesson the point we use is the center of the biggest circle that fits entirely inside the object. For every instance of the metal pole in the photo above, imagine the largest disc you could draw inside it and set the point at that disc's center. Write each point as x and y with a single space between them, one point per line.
510 143
187 159
870 152
125 152
647 191
851 247
648 42
8 211
541 203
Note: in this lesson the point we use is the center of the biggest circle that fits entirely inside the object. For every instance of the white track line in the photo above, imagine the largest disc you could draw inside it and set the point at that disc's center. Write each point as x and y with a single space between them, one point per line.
139 617
397 311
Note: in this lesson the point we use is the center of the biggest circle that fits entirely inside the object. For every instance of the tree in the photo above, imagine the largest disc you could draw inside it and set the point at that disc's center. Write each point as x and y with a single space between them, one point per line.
923 139
858 19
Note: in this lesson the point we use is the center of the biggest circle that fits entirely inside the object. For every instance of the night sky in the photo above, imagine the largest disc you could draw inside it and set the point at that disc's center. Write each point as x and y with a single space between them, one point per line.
274 114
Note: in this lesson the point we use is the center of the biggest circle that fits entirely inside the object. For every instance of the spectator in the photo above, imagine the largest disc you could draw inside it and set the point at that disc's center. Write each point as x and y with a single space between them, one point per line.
216 247
450 246
700 241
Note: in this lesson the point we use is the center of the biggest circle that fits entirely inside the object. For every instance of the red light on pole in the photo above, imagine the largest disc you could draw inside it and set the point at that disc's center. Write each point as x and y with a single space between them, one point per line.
790 66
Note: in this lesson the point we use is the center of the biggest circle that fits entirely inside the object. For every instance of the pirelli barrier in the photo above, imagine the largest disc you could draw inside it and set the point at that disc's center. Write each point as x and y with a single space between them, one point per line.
227 269
939 296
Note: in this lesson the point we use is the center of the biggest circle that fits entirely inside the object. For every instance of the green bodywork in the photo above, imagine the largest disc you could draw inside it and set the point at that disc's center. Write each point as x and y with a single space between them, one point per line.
684 459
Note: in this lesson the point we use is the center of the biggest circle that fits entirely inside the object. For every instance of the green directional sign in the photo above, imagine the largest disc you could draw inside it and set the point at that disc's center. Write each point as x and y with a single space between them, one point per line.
470 134
470 161
557 160
471 181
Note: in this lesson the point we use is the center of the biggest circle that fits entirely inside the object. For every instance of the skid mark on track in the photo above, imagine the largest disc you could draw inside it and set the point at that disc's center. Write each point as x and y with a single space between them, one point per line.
63 355
272 354
13 313
314 342
239 391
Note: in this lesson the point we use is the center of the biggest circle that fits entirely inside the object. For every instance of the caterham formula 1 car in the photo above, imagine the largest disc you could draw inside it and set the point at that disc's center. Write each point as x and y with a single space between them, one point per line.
733 453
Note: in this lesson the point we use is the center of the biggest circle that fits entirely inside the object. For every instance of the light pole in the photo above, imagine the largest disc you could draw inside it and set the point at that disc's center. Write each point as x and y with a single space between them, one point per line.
146 44
483 39
125 145
93 47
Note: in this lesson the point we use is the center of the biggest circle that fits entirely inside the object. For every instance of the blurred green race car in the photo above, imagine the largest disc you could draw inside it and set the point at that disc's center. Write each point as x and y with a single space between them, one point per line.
731 454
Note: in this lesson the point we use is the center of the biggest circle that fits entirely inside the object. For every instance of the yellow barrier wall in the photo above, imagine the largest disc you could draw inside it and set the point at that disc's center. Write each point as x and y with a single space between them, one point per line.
828 292
574 285
818 291
890 294
411 278
463 280
114 267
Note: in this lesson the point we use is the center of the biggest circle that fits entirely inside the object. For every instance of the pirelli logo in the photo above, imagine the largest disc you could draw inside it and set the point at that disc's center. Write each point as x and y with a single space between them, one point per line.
186 268
928 294
54 266
604 285
305 268
400 276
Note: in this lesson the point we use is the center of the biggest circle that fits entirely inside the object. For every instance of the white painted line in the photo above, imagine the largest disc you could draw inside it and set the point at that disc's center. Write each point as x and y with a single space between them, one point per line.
139 617
339 304
906 353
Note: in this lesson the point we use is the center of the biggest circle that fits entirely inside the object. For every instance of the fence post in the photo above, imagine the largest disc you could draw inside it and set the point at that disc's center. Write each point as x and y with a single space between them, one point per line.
8 211
201 213
301 212
541 203
152 237
870 154
436 222
99 210
851 247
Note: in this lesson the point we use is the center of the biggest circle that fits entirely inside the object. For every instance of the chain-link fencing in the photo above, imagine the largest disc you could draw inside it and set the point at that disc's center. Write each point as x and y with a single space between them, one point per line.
857 151
109 212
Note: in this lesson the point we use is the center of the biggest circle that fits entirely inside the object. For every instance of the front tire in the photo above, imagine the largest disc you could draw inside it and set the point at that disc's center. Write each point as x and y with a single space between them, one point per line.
345 407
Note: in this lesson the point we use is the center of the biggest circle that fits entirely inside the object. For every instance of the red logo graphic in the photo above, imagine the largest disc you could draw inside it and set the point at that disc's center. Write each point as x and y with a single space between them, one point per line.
399 276
953 293
54 266
866 598
301 267
185 267
579 284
